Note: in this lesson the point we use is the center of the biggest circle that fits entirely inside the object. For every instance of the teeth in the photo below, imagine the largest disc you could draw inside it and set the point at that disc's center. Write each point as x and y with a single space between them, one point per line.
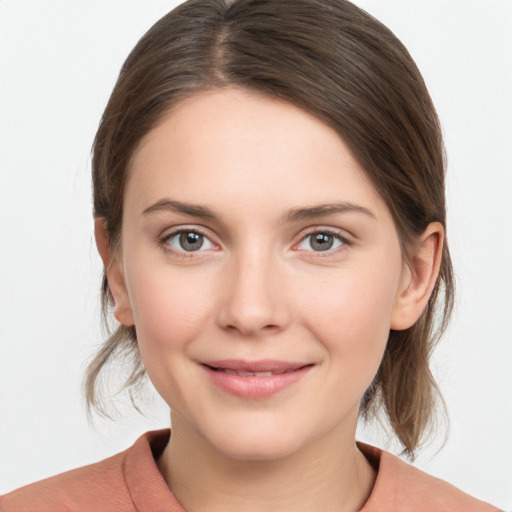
229 371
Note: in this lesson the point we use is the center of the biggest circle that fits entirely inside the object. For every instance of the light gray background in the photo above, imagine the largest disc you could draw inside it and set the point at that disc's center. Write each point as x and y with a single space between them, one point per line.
58 64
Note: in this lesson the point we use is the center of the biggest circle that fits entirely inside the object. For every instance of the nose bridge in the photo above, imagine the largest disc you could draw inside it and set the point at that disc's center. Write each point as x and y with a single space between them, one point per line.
253 300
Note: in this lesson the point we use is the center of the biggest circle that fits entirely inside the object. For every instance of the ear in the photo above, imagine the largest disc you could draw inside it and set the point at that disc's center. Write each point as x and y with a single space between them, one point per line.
419 278
114 272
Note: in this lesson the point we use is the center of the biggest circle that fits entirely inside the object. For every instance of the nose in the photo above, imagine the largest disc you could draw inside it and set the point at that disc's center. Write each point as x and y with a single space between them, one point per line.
253 297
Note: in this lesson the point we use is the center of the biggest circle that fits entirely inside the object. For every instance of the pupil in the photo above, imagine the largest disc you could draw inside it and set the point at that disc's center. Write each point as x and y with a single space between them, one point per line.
322 242
191 241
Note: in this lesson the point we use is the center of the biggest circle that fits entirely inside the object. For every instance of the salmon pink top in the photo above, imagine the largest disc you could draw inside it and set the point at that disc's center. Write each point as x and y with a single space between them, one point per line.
130 481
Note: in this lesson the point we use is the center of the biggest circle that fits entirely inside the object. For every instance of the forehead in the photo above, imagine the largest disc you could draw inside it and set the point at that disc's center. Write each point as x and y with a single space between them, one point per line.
234 143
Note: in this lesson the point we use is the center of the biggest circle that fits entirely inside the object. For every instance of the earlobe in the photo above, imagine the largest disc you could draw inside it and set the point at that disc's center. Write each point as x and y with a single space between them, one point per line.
113 270
419 278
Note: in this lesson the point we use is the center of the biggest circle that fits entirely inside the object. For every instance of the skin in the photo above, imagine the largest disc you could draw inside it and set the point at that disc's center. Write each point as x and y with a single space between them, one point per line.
259 289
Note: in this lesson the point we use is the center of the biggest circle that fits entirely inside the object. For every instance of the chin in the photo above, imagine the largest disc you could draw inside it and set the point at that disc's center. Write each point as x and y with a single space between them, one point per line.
259 441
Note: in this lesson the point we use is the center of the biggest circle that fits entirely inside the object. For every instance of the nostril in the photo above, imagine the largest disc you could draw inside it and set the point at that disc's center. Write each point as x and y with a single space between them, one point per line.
250 331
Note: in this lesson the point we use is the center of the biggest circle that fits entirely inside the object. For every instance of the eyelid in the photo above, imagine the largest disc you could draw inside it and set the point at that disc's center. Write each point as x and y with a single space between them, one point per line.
163 239
337 233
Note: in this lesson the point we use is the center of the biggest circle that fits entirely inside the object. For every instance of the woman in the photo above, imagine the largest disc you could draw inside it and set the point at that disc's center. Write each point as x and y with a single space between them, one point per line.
269 203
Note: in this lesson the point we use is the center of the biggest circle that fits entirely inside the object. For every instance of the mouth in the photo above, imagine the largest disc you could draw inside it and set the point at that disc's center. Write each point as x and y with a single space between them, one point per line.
263 368
242 373
255 379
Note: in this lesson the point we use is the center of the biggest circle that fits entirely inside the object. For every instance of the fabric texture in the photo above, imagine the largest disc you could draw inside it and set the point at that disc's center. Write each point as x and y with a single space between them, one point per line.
131 482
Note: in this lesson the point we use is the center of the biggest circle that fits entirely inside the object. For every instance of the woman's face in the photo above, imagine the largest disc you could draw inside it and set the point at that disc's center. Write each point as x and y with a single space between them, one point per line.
252 242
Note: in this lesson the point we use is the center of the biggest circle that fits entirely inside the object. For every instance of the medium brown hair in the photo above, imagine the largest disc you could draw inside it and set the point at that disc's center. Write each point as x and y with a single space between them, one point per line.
337 62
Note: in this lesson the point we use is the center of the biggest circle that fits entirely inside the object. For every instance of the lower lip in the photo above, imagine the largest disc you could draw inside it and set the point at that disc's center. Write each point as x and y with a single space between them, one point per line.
254 387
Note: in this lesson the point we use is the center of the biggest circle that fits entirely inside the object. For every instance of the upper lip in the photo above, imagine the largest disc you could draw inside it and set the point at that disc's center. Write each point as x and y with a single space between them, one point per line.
266 365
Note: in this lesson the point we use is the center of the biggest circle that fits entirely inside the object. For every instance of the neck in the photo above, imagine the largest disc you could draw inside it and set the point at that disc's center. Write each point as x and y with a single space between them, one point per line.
329 474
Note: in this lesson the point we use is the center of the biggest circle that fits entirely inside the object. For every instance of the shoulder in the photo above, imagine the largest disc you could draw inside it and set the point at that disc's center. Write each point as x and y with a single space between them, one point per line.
125 482
401 487
95 487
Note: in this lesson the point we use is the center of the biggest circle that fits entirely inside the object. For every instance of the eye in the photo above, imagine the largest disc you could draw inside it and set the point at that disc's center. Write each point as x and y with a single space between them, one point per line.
322 241
187 240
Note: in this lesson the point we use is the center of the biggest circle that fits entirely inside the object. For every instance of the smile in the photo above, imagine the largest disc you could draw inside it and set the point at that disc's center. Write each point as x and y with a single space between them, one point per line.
254 380
242 373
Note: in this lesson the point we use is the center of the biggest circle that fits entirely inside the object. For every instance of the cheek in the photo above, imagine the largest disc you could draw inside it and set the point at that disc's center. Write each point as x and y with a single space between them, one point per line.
352 314
169 306
170 310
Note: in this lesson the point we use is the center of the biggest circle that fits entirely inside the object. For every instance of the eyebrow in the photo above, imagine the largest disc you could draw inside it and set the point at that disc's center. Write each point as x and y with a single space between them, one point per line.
194 210
291 215
321 210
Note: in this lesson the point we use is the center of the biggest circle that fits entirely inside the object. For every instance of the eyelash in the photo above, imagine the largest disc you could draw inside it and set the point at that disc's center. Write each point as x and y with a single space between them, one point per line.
163 242
181 254
326 231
